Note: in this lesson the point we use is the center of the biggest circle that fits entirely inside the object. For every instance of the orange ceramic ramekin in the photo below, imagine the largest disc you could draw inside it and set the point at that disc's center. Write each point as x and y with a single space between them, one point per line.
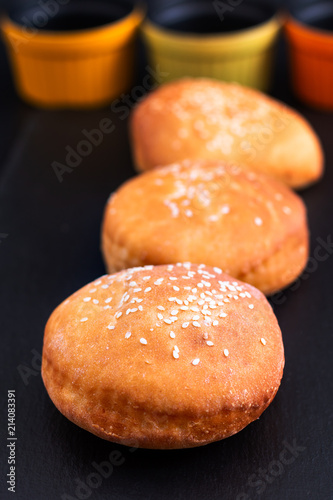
311 55
73 68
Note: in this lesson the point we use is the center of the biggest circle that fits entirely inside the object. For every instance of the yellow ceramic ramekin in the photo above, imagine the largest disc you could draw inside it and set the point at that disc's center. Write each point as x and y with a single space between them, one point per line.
245 56
76 69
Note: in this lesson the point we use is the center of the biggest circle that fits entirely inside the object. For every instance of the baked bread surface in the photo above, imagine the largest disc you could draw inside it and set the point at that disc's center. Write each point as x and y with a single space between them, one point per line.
208 119
163 357
211 212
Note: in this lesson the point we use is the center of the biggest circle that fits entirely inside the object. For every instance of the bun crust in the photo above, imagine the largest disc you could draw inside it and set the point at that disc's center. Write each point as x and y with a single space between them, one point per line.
112 365
250 225
208 119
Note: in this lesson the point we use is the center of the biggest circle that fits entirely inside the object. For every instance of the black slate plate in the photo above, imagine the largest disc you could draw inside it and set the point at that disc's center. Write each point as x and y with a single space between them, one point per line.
49 247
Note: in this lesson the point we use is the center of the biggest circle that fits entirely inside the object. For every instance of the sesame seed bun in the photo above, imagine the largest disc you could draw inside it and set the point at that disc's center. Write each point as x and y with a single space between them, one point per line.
208 119
163 357
210 212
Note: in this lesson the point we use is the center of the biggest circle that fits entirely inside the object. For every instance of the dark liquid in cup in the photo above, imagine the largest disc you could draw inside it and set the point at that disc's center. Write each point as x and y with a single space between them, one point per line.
203 17
76 15
77 22
210 24
323 24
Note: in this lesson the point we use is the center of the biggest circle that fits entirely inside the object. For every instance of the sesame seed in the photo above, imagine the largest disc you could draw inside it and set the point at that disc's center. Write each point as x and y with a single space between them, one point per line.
217 270
195 317
137 290
134 309
172 299
118 314
195 323
132 283
168 321
263 341
176 349
258 221
188 213
83 320
175 354
184 308
251 306
146 277
161 308
93 290
225 209
147 289
205 335
226 352
176 289
128 311
95 301
179 302
160 316
108 300
174 312
215 322
107 307
172 335
98 282
127 335
286 210
86 299
105 287
185 325
140 308
172 278
209 342
196 361
143 341
159 281
223 315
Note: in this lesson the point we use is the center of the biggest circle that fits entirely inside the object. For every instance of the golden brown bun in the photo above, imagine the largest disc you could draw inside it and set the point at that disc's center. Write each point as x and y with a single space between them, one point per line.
112 366
250 225
208 119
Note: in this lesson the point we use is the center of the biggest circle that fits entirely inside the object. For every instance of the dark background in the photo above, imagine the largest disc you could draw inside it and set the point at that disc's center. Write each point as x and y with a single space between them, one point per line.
49 247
